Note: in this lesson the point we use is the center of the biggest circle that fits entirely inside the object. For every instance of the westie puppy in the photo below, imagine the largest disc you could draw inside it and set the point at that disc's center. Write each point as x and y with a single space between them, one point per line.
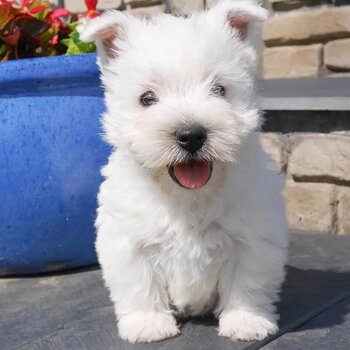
190 216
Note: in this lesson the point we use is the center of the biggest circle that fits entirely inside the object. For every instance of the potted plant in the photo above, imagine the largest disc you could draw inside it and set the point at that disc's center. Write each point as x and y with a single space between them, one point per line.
50 146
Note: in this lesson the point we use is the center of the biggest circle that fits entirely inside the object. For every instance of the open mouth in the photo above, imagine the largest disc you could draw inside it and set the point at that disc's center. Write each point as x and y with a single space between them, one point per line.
192 175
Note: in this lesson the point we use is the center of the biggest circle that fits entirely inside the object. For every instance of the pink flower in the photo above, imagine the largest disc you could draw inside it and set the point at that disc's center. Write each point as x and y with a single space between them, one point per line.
54 16
54 40
37 9
58 13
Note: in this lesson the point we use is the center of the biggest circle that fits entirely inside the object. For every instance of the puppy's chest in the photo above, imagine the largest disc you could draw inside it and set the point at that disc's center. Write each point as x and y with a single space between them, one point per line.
192 265
201 248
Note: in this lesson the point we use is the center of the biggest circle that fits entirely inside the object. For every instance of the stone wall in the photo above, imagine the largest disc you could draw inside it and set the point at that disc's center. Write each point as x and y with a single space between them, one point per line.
317 168
306 38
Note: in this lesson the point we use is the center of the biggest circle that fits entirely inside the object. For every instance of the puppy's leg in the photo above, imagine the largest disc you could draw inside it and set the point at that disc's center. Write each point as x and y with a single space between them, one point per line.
248 288
147 326
138 292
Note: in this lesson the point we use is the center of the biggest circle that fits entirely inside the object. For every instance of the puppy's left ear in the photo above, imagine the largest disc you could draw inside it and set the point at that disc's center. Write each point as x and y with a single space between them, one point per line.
239 15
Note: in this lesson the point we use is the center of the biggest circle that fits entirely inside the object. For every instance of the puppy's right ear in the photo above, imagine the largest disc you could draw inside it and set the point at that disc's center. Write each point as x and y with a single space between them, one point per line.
239 15
105 30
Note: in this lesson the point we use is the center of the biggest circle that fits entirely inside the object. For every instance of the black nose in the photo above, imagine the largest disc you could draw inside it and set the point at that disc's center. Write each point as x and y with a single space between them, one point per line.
191 138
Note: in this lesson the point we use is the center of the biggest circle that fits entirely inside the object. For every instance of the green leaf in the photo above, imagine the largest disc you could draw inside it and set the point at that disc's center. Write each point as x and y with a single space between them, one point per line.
67 42
5 15
73 50
76 46
72 26
86 47
3 49
74 35
48 35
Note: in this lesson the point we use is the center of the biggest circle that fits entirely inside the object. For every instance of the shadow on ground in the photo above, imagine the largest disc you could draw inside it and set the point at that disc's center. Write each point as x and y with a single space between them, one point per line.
303 291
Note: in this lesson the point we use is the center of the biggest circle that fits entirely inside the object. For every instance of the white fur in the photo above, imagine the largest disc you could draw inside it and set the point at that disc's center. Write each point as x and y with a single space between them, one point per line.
166 250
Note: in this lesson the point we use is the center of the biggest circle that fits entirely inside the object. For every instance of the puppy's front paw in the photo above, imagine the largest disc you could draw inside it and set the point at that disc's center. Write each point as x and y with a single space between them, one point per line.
145 327
245 325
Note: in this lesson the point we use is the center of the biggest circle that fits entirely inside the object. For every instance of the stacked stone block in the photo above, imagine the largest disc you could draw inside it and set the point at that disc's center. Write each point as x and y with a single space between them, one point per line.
317 168
306 38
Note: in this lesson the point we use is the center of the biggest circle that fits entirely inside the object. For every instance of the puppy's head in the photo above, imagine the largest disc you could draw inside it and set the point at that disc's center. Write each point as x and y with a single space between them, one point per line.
179 91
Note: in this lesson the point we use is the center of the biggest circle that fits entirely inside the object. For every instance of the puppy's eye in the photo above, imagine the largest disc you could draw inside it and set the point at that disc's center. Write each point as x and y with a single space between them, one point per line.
148 98
218 90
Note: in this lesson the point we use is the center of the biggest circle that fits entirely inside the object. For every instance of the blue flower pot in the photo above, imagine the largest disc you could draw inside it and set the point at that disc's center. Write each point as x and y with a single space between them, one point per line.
51 153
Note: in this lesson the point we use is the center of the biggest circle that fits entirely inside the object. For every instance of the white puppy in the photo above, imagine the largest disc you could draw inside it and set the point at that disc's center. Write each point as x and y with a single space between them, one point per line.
190 217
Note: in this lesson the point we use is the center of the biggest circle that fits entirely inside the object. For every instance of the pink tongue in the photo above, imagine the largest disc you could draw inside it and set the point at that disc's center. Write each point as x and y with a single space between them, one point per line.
192 175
